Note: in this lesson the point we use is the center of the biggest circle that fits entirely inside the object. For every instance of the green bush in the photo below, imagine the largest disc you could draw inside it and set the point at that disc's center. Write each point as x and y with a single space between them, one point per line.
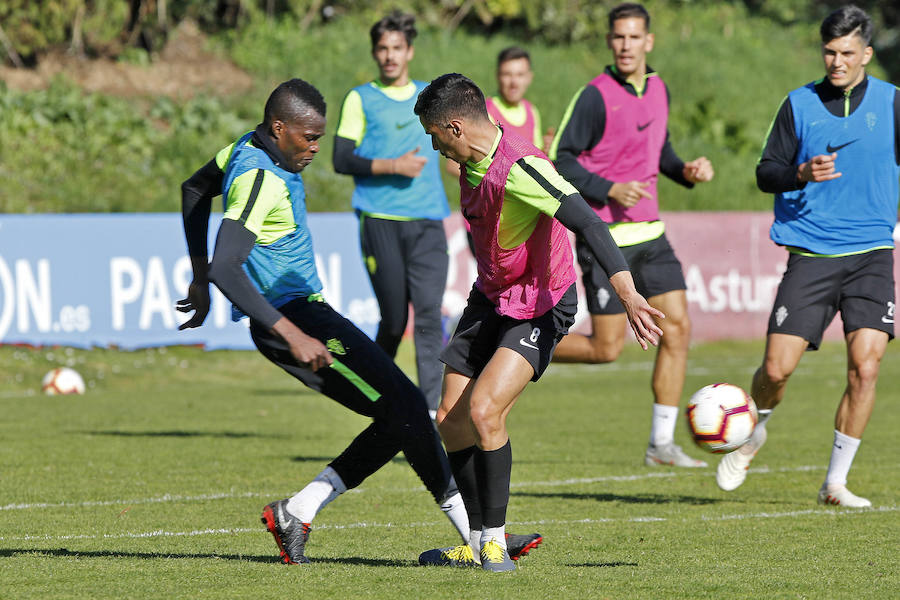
727 68
62 150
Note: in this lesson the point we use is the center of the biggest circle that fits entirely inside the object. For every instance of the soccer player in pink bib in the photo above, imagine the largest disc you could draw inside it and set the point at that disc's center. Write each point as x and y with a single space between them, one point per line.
509 107
612 145
522 303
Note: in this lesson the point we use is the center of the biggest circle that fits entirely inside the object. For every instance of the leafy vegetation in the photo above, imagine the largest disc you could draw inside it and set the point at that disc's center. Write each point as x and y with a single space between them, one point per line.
727 64
111 26
62 150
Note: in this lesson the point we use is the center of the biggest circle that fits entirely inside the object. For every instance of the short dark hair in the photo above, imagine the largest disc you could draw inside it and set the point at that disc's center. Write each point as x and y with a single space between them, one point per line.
512 53
448 96
848 19
291 99
395 21
629 10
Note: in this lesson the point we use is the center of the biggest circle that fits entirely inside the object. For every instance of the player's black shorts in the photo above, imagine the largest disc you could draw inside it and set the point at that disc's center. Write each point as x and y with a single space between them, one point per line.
481 331
364 379
814 288
654 267
361 374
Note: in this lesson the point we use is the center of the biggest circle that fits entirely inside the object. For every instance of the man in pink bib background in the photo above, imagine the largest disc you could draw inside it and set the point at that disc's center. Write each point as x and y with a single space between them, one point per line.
509 107
612 145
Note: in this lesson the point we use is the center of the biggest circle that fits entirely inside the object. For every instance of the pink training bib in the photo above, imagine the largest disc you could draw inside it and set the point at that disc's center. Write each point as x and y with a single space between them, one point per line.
631 146
528 280
525 130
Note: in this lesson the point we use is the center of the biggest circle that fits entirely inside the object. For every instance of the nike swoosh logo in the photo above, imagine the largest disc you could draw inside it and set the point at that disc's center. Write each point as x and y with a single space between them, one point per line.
285 523
647 124
405 123
831 148
887 320
527 345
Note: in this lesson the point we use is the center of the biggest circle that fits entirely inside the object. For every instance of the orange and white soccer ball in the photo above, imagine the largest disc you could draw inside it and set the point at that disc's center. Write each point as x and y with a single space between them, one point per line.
62 380
721 417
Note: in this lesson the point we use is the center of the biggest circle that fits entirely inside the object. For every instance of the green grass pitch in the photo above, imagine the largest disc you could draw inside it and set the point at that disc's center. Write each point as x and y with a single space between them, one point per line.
151 486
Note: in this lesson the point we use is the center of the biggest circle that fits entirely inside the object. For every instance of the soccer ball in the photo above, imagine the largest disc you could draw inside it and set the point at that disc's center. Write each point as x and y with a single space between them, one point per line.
62 380
721 417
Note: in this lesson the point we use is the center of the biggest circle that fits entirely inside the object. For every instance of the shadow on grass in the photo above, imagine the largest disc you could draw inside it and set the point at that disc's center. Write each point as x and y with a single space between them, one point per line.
607 564
300 390
399 459
177 433
627 499
65 552
367 562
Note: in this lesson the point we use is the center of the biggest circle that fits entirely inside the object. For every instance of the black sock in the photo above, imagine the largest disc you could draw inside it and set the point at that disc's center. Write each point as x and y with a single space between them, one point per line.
492 471
462 464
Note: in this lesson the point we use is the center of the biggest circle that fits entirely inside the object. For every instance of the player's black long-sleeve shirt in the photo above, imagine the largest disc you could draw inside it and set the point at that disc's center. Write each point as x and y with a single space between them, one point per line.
233 242
584 130
776 171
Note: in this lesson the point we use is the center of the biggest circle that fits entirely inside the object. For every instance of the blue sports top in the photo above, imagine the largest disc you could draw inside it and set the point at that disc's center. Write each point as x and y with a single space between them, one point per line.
393 129
856 212
270 202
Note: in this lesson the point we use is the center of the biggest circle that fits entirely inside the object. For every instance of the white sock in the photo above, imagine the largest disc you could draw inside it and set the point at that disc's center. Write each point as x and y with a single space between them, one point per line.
475 541
306 503
662 429
842 453
455 510
498 534
758 437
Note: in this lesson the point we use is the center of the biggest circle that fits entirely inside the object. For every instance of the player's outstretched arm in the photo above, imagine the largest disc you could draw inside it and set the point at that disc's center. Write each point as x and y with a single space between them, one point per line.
197 193
574 213
641 316
305 349
577 216
197 301
233 245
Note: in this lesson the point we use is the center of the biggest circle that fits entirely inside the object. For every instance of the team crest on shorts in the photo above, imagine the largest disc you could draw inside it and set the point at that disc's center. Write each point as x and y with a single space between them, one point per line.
603 297
335 346
780 315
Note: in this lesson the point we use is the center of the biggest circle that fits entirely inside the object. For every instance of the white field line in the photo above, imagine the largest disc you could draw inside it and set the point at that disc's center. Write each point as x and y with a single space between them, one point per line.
520 484
569 370
152 500
832 512
575 481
